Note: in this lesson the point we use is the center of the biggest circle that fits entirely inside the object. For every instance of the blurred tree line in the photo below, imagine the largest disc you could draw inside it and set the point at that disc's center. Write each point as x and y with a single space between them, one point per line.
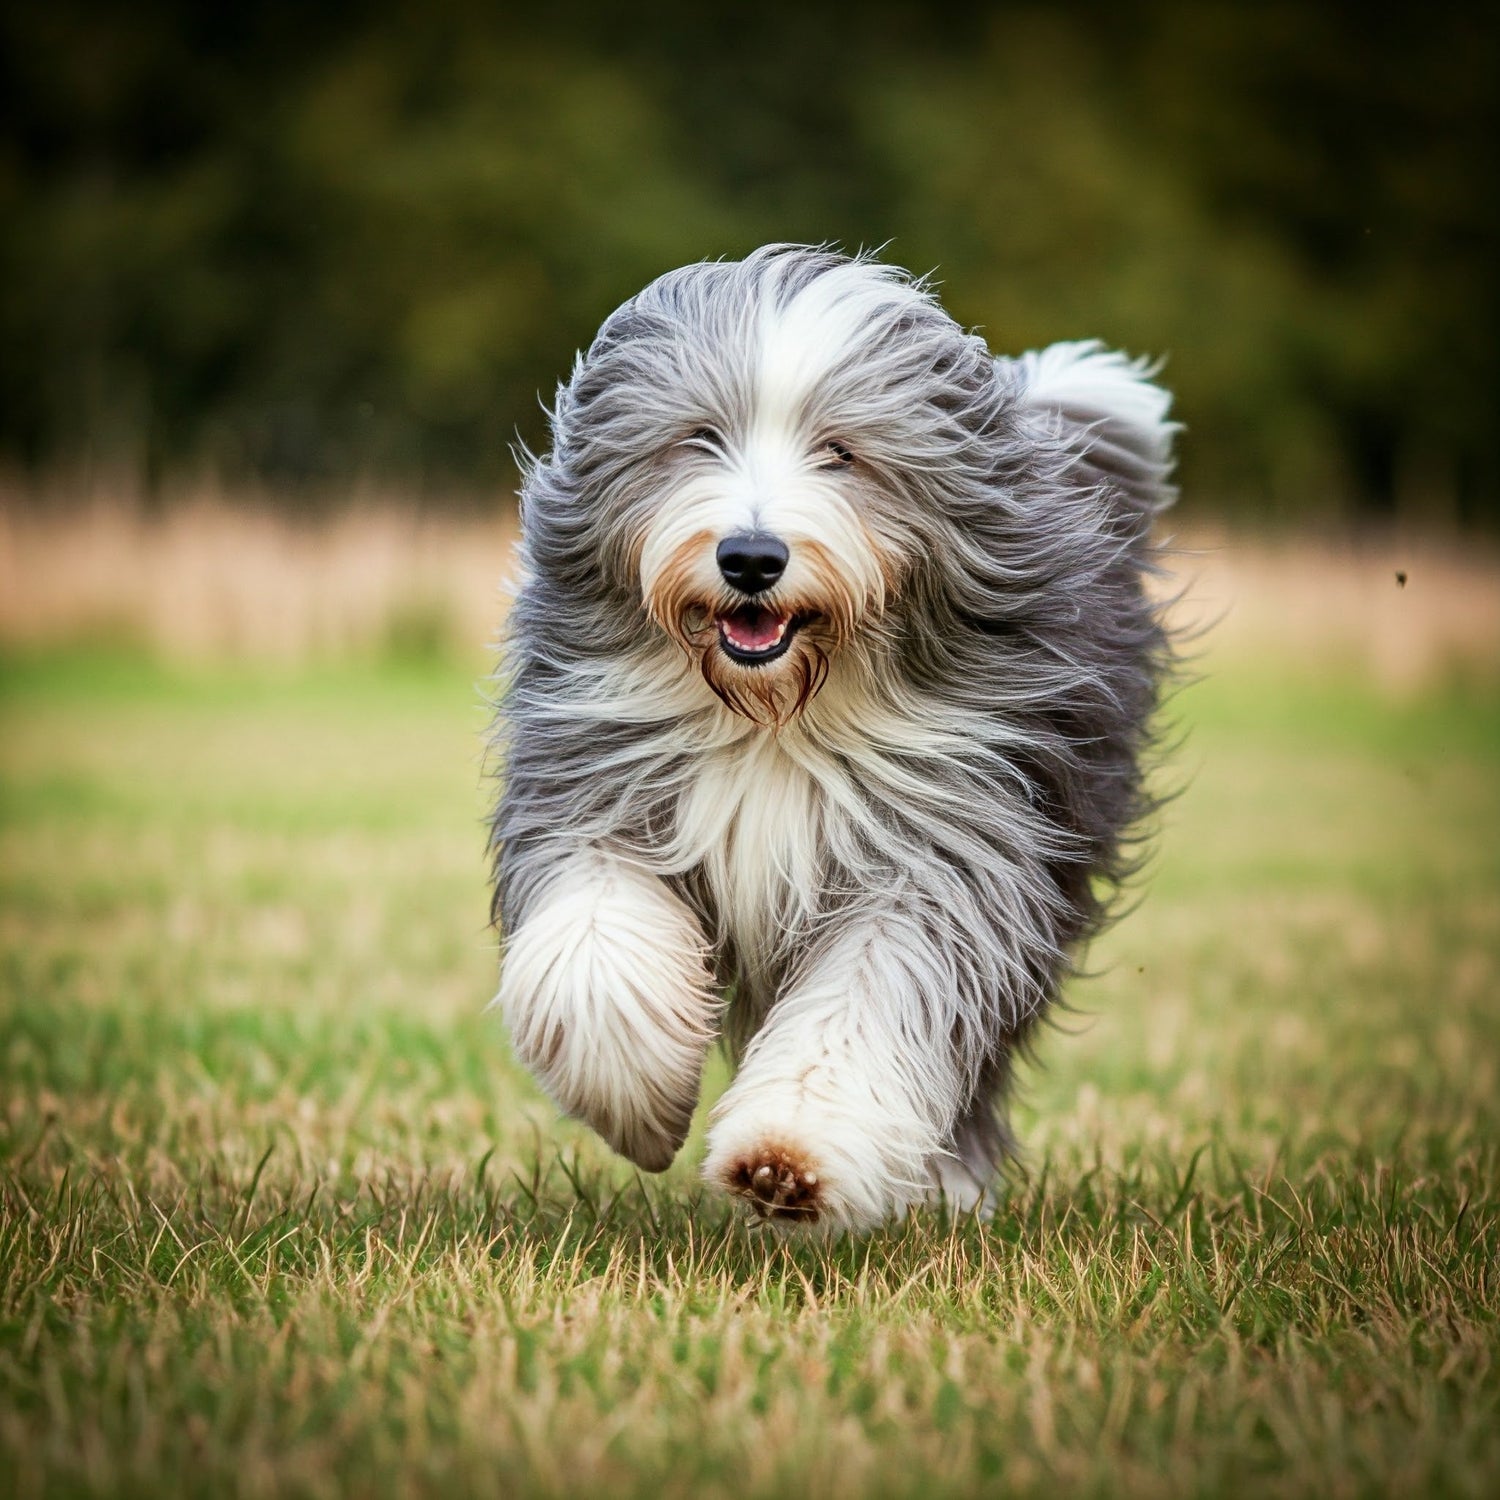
307 245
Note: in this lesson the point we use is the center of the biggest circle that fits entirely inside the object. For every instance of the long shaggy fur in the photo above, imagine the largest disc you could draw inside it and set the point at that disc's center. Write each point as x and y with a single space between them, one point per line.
867 864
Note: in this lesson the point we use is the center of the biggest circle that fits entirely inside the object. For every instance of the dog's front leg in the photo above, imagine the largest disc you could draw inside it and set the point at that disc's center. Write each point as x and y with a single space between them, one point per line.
849 1092
606 989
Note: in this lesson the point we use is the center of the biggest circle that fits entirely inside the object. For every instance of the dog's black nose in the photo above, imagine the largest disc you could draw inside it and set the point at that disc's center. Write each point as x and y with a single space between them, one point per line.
752 561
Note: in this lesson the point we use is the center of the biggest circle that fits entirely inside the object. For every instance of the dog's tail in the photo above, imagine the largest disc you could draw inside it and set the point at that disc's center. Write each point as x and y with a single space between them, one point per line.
1106 409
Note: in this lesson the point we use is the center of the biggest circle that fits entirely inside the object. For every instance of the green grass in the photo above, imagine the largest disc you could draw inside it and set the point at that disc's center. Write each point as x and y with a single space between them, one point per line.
280 1216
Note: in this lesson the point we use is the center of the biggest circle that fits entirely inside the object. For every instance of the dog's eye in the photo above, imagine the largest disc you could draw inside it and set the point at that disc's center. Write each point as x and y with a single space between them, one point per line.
836 455
706 437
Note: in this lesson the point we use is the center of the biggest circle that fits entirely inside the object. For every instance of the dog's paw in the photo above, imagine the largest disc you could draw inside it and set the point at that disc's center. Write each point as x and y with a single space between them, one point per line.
610 1003
801 1156
778 1182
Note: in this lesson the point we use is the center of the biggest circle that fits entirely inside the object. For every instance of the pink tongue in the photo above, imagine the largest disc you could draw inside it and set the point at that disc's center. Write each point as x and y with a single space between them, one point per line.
753 629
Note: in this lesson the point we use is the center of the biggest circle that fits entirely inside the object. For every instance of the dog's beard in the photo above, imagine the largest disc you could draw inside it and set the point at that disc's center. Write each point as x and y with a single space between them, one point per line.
773 693
795 633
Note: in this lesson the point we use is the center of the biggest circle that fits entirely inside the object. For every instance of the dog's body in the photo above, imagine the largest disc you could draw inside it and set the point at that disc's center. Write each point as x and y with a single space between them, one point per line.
826 692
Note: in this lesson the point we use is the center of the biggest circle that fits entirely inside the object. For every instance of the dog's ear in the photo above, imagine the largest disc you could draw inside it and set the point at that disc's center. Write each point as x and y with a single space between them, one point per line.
1108 411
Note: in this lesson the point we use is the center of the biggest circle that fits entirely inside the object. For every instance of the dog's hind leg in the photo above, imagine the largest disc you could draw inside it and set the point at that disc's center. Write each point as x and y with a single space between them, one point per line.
607 993
851 1089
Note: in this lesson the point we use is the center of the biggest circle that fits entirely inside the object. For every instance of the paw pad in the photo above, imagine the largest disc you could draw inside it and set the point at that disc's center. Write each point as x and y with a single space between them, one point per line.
777 1183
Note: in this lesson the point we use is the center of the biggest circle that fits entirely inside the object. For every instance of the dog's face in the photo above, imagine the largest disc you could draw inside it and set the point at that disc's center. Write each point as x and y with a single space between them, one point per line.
753 438
764 553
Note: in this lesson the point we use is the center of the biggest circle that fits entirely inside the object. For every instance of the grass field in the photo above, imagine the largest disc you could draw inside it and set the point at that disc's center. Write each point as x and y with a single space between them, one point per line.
281 1217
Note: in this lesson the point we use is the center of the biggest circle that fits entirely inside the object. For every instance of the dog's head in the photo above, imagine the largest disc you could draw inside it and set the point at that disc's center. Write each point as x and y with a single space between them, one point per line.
749 452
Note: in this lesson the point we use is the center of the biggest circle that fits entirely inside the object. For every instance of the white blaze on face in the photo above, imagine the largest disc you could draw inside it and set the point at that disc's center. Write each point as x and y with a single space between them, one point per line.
801 496
805 342
774 473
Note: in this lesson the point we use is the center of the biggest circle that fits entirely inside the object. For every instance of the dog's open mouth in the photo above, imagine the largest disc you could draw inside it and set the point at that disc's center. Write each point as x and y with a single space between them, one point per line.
753 635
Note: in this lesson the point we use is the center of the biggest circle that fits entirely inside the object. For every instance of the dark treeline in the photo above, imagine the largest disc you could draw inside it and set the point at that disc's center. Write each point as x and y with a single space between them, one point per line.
311 244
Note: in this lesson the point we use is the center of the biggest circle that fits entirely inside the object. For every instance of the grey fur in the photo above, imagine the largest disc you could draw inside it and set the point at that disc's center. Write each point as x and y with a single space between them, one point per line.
1022 621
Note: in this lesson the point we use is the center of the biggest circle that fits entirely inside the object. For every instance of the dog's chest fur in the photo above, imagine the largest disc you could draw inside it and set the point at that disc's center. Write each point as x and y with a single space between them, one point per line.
752 822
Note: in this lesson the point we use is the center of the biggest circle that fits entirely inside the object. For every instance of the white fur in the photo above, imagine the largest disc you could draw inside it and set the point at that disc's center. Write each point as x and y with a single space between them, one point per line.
802 342
1085 376
771 478
752 820
609 1001
840 1074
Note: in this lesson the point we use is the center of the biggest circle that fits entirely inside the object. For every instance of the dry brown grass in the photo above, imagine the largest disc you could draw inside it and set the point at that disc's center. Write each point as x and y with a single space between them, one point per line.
1401 610
211 578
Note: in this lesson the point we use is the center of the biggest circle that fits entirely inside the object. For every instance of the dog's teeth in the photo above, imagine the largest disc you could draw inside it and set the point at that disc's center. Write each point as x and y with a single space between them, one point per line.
736 639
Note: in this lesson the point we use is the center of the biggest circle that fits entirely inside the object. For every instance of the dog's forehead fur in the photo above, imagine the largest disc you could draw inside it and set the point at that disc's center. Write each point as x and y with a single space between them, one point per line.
788 339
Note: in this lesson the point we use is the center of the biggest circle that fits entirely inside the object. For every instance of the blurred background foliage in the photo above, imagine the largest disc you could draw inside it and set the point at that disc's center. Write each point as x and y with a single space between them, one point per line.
308 247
